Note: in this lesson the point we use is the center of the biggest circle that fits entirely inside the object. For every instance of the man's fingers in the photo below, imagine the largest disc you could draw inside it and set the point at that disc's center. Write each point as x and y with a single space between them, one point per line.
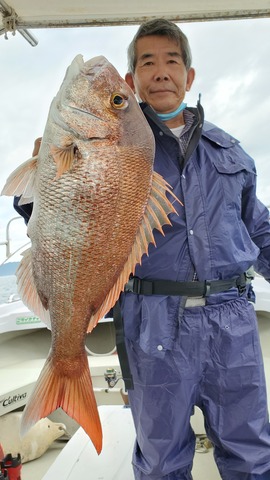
36 146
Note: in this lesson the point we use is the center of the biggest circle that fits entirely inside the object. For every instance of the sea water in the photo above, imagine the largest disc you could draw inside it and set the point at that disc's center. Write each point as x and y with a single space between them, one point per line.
8 286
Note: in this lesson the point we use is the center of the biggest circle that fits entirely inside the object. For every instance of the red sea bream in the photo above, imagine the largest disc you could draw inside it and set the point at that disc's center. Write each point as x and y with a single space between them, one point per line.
96 203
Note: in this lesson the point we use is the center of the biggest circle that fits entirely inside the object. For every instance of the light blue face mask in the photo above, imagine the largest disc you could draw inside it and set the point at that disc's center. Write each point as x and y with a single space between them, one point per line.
167 116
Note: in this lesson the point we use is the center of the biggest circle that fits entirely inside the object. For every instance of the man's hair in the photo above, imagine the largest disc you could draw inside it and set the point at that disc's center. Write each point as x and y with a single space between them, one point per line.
161 27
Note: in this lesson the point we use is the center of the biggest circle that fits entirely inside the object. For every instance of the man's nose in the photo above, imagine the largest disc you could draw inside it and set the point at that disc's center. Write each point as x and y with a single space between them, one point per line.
159 77
161 72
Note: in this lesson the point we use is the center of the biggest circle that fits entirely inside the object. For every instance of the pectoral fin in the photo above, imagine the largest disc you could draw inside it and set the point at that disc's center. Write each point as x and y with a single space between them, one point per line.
64 157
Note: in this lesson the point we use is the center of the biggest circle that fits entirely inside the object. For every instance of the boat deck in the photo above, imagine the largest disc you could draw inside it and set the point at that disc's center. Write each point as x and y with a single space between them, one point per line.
76 458
79 458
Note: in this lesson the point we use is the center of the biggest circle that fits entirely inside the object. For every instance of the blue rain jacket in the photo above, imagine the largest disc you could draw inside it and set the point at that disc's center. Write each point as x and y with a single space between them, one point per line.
221 217
221 230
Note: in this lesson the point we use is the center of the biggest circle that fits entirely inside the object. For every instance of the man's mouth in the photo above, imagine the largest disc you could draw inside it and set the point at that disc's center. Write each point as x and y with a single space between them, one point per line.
161 91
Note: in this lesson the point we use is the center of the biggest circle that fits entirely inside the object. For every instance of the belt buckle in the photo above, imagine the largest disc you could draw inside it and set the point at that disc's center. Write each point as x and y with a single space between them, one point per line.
207 288
195 302
241 289
133 285
129 285
241 284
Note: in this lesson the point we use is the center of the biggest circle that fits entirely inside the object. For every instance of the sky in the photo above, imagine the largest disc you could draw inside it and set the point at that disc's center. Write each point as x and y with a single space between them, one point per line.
231 59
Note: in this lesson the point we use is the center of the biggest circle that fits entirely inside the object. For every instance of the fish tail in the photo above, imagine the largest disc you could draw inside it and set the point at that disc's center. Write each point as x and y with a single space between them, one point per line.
74 394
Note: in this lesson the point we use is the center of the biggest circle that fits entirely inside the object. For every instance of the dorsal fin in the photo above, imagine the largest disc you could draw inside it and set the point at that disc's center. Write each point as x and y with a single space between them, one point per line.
156 215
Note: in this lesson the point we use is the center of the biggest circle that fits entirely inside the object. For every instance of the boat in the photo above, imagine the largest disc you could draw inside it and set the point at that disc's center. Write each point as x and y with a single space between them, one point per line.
24 345
25 340
18 16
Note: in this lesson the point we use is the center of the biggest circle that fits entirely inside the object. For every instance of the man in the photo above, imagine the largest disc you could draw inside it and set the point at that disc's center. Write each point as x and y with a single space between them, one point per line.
191 334
183 350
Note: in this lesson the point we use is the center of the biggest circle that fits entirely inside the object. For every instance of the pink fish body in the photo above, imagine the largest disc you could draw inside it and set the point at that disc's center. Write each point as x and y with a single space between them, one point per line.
96 203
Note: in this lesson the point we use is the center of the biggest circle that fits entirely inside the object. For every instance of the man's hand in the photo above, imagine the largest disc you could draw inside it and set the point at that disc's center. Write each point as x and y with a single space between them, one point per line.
36 146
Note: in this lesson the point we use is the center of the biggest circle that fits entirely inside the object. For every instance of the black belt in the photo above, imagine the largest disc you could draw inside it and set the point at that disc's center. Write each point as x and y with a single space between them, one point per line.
121 347
185 289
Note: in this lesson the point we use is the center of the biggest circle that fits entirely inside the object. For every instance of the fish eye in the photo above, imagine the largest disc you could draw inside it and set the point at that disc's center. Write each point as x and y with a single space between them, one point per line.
118 101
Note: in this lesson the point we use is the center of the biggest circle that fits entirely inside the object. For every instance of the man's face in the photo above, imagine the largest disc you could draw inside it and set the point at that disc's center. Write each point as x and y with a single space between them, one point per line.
160 77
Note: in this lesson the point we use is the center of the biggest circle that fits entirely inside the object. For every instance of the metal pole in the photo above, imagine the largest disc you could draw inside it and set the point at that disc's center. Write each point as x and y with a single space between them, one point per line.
7 242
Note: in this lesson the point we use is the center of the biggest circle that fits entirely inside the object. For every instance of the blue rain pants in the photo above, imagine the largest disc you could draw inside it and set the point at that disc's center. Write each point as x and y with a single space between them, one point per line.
216 364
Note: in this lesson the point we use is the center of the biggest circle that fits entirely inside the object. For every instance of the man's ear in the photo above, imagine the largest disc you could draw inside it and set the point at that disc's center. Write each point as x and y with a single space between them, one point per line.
190 79
129 80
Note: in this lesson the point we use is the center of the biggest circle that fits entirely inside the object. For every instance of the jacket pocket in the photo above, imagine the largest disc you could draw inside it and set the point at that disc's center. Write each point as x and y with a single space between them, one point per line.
233 173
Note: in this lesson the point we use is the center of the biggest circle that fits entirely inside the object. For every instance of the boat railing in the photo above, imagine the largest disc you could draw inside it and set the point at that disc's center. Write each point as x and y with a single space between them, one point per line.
7 241
15 297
